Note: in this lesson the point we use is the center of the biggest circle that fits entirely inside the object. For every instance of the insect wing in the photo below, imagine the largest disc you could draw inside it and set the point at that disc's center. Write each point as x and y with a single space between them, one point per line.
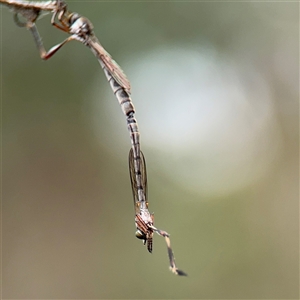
139 170
113 68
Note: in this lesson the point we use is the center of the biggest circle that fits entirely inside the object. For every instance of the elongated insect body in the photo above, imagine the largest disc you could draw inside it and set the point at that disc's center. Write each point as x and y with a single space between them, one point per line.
81 29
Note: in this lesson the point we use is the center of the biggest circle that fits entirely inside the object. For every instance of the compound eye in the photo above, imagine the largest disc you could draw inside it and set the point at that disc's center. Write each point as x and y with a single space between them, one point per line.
140 235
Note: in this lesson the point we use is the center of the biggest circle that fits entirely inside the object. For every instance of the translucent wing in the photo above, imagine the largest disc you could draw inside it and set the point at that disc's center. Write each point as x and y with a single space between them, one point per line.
135 171
113 68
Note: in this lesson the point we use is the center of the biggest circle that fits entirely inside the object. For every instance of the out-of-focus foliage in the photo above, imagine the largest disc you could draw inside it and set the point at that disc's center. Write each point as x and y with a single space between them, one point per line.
215 86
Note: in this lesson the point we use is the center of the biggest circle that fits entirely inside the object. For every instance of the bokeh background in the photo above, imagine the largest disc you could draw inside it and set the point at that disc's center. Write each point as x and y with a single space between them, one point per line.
216 90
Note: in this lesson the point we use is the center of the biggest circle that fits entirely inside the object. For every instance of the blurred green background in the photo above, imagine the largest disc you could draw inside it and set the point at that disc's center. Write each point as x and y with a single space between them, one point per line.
216 88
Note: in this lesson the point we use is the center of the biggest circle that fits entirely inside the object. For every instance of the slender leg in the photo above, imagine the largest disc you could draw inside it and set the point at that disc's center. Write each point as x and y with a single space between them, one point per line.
38 41
60 15
173 267
32 16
